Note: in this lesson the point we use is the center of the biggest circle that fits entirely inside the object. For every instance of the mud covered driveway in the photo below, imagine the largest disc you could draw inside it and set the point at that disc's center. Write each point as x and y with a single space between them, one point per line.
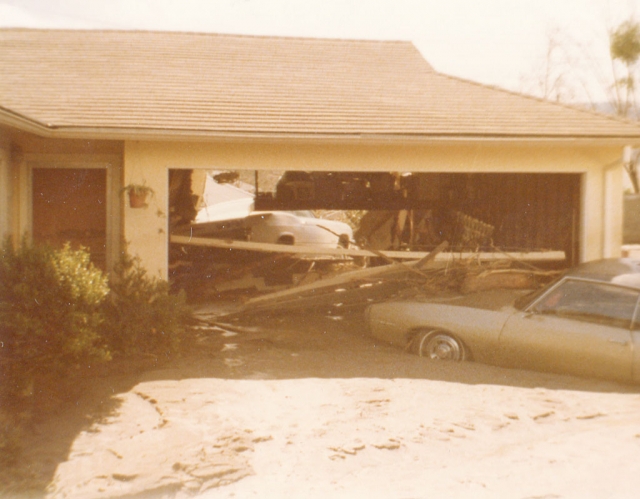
308 406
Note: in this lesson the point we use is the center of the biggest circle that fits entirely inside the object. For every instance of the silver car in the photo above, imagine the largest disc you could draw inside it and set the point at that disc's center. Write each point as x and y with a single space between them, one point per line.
585 323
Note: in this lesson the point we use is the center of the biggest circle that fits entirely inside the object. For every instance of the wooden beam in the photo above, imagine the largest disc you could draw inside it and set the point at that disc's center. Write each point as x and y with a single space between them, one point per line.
396 255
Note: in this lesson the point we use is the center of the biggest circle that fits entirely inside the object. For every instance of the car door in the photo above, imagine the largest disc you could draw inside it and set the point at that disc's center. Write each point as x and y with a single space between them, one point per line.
579 326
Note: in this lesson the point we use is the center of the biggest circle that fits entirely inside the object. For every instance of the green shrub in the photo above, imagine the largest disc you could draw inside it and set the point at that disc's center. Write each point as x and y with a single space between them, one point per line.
141 316
49 314
58 312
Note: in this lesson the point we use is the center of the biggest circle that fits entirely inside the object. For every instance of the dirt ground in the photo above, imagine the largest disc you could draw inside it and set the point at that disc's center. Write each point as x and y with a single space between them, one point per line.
309 406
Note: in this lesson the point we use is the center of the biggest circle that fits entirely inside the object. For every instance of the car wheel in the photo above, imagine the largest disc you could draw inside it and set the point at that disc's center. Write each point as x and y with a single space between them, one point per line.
438 345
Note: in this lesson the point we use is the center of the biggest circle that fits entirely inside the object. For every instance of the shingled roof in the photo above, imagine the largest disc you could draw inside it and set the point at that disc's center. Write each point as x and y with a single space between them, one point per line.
116 83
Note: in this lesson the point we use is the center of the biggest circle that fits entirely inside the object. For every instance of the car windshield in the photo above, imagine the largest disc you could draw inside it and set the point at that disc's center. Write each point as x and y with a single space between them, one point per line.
302 213
524 301
589 301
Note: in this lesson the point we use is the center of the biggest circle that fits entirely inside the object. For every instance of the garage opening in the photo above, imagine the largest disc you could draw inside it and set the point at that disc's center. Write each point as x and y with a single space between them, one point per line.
412 212
524 212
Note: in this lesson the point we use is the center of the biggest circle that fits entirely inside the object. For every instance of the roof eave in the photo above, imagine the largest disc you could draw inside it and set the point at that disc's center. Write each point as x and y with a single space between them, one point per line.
28 125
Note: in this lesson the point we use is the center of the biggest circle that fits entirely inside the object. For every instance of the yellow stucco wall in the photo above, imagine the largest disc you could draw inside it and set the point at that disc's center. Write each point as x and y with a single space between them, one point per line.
146 230
148 162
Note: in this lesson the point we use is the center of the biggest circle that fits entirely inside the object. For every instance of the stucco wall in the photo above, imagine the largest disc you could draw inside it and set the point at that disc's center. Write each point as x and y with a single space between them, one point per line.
146 230
149 162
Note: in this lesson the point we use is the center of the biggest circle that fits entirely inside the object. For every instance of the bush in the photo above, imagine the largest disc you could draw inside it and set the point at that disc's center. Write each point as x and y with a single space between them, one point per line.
57 313
141 317
49 314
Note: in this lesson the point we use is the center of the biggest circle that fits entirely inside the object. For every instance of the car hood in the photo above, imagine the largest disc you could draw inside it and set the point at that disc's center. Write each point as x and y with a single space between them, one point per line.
495 299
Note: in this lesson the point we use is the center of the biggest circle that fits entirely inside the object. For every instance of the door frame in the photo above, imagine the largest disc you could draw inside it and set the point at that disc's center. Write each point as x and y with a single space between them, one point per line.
109 162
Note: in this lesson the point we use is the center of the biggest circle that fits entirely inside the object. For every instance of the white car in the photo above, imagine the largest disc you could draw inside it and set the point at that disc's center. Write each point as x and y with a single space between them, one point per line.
237 220
300 227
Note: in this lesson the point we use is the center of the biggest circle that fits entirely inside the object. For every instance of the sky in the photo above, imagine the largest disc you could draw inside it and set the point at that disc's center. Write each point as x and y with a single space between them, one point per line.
496 42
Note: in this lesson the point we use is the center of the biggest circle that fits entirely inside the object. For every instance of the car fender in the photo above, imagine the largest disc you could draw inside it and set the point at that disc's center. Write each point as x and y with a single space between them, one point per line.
478 329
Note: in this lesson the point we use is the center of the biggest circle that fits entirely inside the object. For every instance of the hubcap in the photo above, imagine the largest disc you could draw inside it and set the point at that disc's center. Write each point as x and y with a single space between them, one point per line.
443 347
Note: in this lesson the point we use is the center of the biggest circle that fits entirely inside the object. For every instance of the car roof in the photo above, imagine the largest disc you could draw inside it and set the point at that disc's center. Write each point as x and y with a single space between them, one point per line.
623 271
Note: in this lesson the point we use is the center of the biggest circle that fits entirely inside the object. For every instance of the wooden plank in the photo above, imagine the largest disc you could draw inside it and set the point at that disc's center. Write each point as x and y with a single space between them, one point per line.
328 298
344 282
351 287
396 255
342 279
322 290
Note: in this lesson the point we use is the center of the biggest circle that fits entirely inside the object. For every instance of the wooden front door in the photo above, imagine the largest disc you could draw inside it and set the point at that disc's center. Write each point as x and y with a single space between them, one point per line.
69 205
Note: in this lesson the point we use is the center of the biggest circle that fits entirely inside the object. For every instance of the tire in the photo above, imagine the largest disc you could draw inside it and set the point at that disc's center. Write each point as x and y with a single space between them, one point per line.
438 345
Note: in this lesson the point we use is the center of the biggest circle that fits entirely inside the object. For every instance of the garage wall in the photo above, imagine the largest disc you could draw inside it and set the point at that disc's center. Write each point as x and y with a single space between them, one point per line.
444 155
149 163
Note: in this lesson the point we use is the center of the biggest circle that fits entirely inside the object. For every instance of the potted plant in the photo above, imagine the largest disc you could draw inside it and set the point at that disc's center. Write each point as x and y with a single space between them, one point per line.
138 194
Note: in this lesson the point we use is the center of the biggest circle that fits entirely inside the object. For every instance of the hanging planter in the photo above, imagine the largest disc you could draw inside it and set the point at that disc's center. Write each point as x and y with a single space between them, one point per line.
138 195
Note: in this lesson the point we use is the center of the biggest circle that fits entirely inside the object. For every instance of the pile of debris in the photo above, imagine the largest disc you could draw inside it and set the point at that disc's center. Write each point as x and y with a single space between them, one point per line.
425 277
208 279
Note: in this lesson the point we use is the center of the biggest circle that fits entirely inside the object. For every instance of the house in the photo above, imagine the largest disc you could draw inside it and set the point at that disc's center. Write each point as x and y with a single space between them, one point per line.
85 113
